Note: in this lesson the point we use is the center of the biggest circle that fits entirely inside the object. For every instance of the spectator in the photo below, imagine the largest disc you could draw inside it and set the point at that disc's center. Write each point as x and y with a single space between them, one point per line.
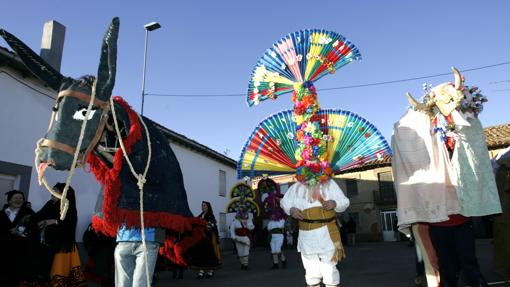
59 251
205 256
14 239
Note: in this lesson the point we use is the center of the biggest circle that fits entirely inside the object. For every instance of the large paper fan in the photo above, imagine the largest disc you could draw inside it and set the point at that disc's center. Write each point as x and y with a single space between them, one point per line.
271 147
302 56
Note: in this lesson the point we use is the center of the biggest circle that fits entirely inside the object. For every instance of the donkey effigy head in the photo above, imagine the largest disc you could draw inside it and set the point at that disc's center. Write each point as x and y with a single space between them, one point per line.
88 124
57 148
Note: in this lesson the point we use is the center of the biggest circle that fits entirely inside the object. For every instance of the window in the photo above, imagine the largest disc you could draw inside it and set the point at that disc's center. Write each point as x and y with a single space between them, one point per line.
352 187
14 176
223 222
386 188
223 183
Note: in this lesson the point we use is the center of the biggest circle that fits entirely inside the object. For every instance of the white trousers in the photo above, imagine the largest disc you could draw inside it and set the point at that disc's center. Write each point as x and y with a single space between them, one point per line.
242 249
276 243
320 266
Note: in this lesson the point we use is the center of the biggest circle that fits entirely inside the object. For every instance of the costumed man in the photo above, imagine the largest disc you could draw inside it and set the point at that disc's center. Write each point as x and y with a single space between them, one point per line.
240 231
311 142
443 177
319 238
242 204
271 196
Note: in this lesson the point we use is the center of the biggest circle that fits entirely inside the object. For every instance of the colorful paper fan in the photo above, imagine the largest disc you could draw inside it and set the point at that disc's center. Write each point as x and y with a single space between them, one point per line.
241 189
271 148
242 198
247 203
302 56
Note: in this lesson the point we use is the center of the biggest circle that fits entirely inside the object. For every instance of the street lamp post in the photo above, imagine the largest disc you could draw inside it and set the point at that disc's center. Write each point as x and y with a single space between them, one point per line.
148 27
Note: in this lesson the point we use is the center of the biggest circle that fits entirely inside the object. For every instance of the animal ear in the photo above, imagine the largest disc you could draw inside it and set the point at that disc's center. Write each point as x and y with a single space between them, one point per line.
108 62
33 62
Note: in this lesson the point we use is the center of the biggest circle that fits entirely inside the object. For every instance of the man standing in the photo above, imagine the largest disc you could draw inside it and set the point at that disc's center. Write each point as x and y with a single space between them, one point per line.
130 261
319 238
240 230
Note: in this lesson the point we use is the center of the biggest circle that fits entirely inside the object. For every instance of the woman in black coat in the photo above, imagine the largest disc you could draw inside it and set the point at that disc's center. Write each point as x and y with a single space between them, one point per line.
58 237
14 237
205 256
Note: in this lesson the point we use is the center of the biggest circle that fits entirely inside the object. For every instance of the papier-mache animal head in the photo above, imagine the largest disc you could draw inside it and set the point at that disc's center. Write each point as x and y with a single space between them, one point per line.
58 146
446 97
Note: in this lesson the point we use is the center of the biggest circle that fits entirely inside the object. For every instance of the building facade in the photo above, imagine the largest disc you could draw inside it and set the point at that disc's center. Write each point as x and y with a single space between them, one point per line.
24 118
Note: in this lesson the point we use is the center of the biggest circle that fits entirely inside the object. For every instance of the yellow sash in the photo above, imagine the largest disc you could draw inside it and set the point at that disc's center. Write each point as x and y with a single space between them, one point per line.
324 218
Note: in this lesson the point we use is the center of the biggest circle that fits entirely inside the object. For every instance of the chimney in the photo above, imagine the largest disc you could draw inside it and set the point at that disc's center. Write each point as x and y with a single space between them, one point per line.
52 44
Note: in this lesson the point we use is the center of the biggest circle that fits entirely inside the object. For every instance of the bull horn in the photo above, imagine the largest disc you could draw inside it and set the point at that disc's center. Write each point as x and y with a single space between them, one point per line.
413 102
459 83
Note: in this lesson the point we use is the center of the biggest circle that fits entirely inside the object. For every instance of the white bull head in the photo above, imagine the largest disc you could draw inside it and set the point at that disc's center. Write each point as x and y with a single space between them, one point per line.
446 97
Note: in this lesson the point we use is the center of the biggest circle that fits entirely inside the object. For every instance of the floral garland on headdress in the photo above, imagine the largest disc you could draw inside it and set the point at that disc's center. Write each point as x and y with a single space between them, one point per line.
311 155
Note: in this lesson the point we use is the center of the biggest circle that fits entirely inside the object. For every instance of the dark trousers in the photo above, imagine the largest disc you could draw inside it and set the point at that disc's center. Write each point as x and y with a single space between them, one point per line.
455 248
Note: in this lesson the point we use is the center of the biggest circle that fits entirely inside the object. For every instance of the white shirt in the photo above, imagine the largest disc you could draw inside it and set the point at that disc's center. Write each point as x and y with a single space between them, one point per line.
11 213
314 241
237 224
276 224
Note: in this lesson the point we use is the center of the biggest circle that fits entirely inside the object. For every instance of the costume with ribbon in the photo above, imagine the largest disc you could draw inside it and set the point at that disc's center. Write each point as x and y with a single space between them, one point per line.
245 208
310 142
443 177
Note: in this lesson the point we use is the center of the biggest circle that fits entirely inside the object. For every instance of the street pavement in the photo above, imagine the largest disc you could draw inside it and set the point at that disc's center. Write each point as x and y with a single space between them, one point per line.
367 264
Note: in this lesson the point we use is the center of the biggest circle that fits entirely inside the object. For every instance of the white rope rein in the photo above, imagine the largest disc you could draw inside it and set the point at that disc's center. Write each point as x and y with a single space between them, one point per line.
141 179
64 202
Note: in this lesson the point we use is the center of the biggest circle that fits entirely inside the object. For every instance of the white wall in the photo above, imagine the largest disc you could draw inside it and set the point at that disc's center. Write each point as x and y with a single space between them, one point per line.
24 118
201 179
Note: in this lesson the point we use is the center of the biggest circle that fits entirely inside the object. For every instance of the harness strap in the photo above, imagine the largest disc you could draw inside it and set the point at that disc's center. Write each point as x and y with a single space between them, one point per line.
58 145
82 96
99 131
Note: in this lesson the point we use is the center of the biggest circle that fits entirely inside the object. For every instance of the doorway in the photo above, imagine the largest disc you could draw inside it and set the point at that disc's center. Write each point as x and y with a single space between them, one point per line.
389 221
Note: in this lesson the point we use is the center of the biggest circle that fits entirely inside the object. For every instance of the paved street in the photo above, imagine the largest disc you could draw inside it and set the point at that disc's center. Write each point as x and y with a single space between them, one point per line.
367 264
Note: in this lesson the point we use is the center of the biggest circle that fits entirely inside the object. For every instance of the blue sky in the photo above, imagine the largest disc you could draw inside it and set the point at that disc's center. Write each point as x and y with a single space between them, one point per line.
211 47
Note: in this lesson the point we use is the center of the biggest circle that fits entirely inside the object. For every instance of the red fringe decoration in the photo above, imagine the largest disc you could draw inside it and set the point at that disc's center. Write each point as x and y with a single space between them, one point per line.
114 216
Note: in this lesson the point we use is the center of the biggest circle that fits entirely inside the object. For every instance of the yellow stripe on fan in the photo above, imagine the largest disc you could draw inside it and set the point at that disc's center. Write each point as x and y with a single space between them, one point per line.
262 163
335 121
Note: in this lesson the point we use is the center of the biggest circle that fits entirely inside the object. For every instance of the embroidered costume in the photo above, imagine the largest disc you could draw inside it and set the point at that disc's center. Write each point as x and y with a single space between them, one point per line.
271 196
242 204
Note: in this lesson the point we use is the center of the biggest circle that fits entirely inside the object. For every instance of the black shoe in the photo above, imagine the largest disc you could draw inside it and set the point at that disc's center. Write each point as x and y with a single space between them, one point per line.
200 275
284 264
275 266
209 274
181 275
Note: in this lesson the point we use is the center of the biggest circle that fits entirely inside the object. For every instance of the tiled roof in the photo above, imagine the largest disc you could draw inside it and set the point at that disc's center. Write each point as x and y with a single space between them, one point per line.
497 137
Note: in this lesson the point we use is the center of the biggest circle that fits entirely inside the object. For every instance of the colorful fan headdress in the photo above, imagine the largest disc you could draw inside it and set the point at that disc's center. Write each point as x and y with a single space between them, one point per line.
242 201
313 143
270 195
